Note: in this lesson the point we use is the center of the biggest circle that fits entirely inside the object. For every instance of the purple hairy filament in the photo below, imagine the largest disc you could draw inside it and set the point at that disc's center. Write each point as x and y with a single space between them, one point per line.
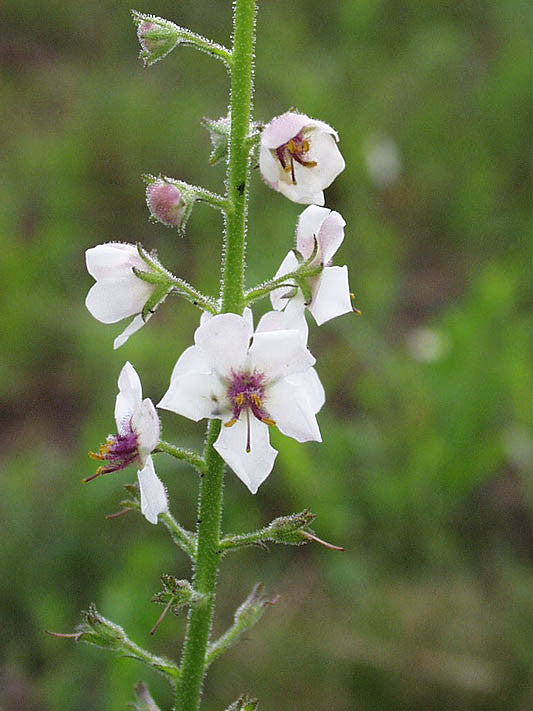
294 150
118 451
246 391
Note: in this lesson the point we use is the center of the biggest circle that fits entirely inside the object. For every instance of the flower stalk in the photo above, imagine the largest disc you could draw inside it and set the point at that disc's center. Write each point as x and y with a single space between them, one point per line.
193 664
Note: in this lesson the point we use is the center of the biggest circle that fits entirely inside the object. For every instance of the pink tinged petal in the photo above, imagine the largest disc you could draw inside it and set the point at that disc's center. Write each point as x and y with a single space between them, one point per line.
328 228
129 395
112 260
290 406
289 264
224 340
332 295
153 494
145 422
111 300
279 353
310 383
282 128
196 396
251 467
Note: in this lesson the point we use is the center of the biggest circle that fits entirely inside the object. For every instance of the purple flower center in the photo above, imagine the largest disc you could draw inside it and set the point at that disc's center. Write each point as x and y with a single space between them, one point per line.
294 150
246 391
118 451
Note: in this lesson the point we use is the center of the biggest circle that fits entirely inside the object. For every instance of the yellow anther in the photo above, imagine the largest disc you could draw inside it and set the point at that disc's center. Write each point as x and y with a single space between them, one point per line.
256 399
231 422
239 399
94 455
306 146
268 421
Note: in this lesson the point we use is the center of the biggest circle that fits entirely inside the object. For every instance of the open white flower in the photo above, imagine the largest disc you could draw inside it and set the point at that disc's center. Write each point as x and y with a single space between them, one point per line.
249 387
299 157
330 290
118 292
138 435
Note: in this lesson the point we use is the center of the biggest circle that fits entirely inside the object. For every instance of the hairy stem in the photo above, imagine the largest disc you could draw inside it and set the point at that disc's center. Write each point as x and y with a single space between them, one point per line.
210 502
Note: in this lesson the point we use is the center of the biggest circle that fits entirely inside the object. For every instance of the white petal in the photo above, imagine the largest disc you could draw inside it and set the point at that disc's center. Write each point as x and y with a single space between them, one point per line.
192 360
112 260
332 295
289 264
134 325
310 382
145 422
111 300
251 467
224 340
282 128
196 395
279 353
270 167
305 192
129 395
323 127
323 149
291 319
289 405
153 494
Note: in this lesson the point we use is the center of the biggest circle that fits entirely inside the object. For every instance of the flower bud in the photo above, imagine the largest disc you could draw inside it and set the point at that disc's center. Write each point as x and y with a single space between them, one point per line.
157 37
165 202
143 698
244 703
176 594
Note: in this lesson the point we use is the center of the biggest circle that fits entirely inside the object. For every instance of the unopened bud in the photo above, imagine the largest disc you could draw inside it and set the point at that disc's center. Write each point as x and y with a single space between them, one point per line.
157 37
291 529
244 703
144 701
165 202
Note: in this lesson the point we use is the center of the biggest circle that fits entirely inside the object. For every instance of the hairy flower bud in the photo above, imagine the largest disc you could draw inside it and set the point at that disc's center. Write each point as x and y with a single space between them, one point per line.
165 202
244 703
157 37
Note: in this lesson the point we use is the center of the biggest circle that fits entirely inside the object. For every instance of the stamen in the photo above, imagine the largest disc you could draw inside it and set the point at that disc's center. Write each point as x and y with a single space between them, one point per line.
231 422
268 421
248 444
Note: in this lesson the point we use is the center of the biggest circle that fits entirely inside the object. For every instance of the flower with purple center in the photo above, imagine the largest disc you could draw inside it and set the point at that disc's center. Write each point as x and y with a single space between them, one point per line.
249 386
118 292
330 291
138 435
299 157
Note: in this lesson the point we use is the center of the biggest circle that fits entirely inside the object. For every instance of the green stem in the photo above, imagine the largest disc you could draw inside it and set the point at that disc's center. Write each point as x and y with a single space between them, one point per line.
210 499
187 455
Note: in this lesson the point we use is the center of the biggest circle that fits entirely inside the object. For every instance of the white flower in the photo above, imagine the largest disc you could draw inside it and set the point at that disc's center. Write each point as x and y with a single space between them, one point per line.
138 435
118 292
248 387
330 290
299 157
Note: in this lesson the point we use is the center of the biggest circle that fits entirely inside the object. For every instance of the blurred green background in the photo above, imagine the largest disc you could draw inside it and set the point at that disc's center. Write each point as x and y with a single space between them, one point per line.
424 473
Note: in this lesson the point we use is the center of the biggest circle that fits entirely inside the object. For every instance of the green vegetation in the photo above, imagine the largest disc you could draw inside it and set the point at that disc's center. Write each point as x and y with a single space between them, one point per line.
423 474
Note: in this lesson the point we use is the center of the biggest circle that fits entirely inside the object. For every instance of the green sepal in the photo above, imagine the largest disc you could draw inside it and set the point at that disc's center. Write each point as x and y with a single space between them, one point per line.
219 132
299 256
291 529
246 616
244 703
143 699
100 632
306 290
155 300
177 594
